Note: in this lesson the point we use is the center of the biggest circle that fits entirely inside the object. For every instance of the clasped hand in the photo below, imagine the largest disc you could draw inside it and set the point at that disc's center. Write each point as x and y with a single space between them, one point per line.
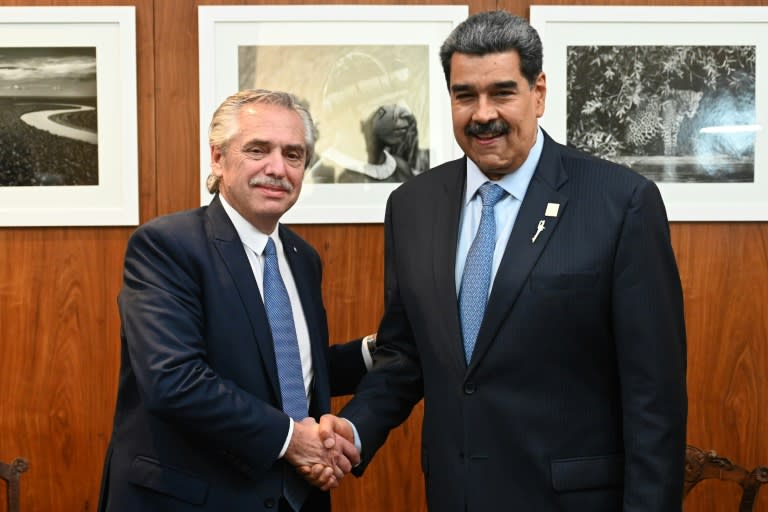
323 452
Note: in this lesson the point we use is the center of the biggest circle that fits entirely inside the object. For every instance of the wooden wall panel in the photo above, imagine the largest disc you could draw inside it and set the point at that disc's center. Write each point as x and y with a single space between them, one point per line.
59 344
59 327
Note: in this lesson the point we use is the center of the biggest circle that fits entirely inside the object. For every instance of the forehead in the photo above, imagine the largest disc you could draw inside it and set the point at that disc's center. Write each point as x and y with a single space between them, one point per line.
273 123
485 70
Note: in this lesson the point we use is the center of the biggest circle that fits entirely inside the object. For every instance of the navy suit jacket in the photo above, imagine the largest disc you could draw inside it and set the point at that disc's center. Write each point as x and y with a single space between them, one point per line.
574 399
198 421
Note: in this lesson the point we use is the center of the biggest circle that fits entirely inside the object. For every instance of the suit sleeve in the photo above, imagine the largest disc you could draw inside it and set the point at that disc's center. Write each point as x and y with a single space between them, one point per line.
346 367
649 328
163 321
389 391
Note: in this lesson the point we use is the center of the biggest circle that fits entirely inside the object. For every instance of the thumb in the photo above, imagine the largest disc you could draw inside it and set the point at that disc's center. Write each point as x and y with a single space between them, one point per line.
327 426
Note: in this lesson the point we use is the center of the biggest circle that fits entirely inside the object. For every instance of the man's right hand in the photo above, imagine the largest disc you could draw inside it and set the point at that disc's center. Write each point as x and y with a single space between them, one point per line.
321 456
337 436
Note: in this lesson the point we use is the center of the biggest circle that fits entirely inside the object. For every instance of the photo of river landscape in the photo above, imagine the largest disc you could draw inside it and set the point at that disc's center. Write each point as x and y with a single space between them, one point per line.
48 117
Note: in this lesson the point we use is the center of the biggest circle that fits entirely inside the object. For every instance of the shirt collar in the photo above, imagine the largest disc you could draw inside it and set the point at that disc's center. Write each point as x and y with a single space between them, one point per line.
515 183
251 237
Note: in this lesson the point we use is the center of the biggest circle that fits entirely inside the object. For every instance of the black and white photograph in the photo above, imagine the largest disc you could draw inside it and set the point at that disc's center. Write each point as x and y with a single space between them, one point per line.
68 116
370 104
675 93
48 118
672 113
372 79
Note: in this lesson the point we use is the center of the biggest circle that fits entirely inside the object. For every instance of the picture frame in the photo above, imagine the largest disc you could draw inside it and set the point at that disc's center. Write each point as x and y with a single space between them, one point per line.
68 120
698 73
351 64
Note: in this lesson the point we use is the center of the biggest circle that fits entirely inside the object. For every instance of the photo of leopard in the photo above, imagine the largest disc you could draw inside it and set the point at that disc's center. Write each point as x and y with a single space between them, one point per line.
671 113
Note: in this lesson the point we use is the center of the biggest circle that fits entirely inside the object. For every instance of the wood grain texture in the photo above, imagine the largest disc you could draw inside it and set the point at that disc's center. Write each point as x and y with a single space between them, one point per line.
724 268
59 342
59 350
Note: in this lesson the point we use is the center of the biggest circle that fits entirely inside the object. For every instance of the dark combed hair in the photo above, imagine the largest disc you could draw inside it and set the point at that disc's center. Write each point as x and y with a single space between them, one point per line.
495 32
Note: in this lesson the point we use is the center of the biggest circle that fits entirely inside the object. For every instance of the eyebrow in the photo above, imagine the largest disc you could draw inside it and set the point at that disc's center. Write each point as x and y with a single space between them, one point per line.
506 84
259 142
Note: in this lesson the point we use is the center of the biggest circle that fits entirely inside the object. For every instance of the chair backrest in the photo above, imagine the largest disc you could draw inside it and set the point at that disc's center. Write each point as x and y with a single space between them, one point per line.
701 465
11 473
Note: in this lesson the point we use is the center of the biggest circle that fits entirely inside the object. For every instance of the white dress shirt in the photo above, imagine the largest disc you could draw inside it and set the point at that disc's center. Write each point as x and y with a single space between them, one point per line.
254 242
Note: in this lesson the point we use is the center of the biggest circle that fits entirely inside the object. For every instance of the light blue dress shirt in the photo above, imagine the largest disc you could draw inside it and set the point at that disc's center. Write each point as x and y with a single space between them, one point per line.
505 211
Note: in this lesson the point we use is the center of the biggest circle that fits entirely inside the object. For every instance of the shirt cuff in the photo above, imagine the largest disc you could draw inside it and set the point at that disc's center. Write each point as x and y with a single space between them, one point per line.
367 358
365 348
358 442
288 438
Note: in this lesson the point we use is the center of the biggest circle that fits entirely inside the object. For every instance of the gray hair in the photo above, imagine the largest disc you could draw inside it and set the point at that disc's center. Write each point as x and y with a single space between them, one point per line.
495 32
226 122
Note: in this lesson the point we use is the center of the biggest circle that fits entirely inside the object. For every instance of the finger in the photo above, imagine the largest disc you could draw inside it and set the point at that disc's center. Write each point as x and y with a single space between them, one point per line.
331 484
348 450
318 470
343 464
327 430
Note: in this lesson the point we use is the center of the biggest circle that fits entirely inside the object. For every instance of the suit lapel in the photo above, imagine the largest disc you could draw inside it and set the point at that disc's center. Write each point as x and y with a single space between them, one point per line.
521 252
230 248
449 200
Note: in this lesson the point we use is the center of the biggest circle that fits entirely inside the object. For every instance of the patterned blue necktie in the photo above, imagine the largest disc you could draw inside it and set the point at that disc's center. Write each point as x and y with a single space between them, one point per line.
476 279
287 355
288 359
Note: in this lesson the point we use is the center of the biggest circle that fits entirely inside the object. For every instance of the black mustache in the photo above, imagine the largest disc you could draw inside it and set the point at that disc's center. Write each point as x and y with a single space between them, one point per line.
498 126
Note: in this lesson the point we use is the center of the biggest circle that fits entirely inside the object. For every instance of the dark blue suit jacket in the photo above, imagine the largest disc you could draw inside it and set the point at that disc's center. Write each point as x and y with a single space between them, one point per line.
198 422
575 397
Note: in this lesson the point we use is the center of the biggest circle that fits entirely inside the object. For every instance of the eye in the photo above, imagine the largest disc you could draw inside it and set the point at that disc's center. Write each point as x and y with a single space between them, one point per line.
463 96
295 157
256 151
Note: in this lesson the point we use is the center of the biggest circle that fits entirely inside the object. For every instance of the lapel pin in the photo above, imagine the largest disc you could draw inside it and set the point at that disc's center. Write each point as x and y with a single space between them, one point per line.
295 249
552 209
539 229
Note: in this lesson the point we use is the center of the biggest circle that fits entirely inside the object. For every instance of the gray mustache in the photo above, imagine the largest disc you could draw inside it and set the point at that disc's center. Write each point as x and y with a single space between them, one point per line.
497 126
271 182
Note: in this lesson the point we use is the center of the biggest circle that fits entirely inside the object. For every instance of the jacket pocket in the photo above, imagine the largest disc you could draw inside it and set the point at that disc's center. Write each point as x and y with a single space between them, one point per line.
149 473
588 472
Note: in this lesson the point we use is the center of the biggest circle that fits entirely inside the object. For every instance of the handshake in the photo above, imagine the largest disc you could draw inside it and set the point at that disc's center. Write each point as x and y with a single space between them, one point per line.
323 453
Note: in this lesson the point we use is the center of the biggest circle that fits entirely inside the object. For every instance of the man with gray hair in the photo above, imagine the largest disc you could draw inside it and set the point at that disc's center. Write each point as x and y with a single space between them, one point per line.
225 356
533 301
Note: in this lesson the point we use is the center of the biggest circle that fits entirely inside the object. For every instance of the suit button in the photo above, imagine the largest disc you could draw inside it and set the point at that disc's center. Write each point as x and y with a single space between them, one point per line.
469 387
269 502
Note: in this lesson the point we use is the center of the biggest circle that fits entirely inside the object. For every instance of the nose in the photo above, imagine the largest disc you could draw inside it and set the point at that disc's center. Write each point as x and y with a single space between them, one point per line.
485 111
275 164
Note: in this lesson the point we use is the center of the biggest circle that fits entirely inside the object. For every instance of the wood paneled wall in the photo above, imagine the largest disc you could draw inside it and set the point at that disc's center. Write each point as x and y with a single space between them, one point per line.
59 346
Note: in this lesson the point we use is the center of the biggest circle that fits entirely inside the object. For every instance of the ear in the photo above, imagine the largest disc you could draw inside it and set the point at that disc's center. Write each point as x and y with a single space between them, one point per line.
540 93
216 156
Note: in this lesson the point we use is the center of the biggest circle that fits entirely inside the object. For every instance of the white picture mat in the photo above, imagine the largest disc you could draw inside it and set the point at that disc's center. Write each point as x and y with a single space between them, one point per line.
222 29
563 26
115 200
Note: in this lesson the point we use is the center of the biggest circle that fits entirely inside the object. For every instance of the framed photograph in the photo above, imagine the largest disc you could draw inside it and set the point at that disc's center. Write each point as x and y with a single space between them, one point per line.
68 142
371 76
679 94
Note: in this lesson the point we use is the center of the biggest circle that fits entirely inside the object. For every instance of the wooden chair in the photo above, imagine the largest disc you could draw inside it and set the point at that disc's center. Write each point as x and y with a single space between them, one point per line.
11 473
701 465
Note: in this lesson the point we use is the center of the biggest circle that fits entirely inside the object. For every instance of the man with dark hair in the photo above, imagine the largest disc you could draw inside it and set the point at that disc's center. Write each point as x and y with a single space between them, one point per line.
533 301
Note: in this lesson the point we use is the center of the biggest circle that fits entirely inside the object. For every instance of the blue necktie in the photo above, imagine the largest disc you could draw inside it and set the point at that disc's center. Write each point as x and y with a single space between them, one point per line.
476 279
288 359
287 355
